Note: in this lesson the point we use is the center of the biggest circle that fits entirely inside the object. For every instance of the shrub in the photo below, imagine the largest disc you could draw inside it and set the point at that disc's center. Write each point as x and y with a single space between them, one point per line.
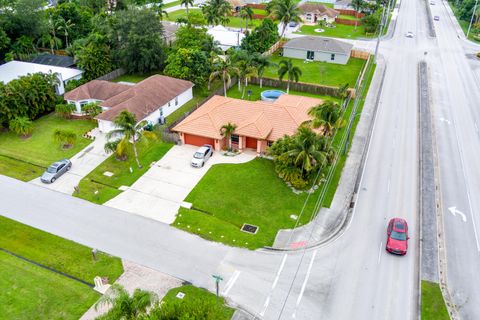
92 109
72 84
21 126
119 147
64 110
66 138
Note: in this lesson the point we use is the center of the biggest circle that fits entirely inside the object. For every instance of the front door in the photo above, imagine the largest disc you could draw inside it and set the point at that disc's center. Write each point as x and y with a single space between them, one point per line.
310 55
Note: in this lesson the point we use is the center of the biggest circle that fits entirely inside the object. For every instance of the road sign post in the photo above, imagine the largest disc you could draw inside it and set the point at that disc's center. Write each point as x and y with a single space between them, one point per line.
217 281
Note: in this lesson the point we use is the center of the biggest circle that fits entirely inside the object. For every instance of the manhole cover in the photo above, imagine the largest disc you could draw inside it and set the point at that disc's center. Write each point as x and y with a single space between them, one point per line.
249 228
180 295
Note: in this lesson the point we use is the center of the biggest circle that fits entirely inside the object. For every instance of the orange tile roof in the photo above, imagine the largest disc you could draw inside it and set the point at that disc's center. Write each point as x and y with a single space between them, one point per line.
255 119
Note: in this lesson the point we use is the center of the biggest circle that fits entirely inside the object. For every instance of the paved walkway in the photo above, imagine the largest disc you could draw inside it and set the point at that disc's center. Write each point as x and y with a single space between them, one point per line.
82 164
136 276
159 193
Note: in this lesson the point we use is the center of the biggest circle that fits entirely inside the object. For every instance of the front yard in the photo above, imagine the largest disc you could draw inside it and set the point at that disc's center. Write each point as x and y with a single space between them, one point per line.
323 73
339 31
32 292
99 188
26 159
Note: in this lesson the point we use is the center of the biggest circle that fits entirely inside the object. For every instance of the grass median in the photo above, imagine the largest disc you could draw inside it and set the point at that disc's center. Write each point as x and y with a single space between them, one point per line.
433 305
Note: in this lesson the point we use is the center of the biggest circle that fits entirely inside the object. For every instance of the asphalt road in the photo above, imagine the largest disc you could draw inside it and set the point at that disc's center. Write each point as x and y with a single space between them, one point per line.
353 277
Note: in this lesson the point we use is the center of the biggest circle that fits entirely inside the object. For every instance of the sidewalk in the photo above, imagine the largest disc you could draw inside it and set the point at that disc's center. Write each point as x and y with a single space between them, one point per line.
330 221
82 163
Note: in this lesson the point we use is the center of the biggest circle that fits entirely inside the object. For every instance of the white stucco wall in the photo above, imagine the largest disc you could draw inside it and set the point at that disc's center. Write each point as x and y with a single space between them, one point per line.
318 56
310 19
78 104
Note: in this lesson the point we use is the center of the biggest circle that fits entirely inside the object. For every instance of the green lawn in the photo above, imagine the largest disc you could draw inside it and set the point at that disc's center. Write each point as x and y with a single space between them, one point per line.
464 24
347 17
30 292
40 150
180 13
57 253
235 22
171 4
340 31
107 187
433 305
193 294
328 5
260 11
324 73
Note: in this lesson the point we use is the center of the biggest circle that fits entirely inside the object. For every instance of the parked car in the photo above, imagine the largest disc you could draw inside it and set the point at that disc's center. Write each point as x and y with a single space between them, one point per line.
397 236
409 34
292 24
55 170
436 18
202 155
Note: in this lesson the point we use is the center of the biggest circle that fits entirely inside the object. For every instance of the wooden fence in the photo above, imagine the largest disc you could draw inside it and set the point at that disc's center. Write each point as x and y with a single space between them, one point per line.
359 54
257 6
348 22
277 45
353 13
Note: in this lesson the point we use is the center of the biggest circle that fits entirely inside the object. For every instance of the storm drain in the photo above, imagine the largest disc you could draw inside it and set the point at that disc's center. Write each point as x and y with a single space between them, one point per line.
249 228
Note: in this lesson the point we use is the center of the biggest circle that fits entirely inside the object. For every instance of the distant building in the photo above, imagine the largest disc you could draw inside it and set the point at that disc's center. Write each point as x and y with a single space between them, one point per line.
312 13
318 49
15 69
54 60
226 38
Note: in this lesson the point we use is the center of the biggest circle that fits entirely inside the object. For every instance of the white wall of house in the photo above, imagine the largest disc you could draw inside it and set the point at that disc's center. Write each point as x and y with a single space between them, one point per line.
309 18
317 55
78 104
105 125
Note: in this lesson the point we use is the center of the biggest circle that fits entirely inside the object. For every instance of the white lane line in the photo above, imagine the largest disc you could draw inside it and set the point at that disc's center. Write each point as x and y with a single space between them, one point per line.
388 186
304 283
380 252
279 271
231 282
265 306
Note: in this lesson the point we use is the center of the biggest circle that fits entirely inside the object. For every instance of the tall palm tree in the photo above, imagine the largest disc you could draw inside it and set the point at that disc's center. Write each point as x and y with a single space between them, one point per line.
223 69
126 306
217 11
187 3
285 11
247 14
49 40
226 131
65 26
327 115
157 6
129 129
307 151
286 67
262 63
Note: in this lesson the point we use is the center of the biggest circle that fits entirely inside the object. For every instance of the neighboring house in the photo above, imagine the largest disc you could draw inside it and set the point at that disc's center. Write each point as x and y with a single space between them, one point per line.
312 13
169 30
237 5
259 123
225 38
15 69
54 60
318 49
343 4
151 100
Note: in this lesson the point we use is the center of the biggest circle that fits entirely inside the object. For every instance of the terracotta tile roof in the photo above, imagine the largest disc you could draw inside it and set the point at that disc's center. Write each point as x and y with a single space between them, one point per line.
255 119
320 9
96 89
145 97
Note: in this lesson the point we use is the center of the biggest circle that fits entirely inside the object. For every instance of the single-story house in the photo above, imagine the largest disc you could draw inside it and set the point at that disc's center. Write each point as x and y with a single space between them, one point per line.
169 30
54 60
311 13
152 99
318 49
15 69
259 123
226 38
237 5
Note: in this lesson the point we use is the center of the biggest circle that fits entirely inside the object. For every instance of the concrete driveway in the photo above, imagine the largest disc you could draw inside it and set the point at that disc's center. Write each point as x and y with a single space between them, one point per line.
82 163
159 193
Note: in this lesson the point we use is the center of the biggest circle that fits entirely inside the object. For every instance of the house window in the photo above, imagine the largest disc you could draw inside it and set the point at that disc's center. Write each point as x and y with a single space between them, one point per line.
235 138
169 103
310 55
332 56
176 101
161 112
269 143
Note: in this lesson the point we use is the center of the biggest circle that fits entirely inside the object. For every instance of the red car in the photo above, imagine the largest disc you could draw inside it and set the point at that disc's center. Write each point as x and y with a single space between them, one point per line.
397 236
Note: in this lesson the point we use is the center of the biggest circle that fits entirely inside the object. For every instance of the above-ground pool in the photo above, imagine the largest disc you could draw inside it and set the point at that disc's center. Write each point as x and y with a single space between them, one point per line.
271 95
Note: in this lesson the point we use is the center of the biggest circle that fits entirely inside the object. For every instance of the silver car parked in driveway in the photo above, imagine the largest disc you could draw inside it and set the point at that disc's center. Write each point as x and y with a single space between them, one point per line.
202 155
56 170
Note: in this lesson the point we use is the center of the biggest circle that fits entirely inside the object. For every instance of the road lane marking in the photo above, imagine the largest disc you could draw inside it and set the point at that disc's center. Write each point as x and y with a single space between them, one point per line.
388 186
231 282
279 271
265 306
444 120
304 283
380 252
454 211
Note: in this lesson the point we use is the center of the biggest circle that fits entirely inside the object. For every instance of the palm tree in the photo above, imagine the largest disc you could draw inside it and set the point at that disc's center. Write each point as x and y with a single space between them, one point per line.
157 6
286 67
226 131
285 11
307 151
217 11
65 26
49 40
129 129
126 306
21 126
327 115
224 71
342 92
247 14
66 138
262 63
187 3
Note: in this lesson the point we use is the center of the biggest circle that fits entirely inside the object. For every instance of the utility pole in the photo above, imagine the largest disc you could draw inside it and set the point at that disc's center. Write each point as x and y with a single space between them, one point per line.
380 29
471 20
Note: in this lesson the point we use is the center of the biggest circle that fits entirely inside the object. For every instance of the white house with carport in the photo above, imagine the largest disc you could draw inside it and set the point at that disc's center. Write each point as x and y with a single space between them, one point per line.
151 100
318 49
15 69
226 38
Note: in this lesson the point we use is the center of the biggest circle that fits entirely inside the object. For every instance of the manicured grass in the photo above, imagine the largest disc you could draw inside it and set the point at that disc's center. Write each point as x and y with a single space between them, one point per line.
40 150
433 305
57 253
260 11
324 73
205 296
181 13
171 4
347 17
340 31
134 78
230 195
31 292
107 187
256 91
237 22
328 5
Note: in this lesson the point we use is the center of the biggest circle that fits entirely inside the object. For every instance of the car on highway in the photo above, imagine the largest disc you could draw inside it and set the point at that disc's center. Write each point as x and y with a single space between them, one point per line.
436 18
202 155
409 34
432 3
55 171
397 236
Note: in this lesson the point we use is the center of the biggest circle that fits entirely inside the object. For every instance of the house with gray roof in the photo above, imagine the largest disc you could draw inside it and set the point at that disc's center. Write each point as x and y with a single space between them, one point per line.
318 49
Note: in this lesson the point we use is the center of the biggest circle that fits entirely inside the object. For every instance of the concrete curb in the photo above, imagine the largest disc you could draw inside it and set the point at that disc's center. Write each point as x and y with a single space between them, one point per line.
431 27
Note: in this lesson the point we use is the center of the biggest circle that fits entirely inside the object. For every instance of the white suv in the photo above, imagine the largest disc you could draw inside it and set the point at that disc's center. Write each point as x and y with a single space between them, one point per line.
202 155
